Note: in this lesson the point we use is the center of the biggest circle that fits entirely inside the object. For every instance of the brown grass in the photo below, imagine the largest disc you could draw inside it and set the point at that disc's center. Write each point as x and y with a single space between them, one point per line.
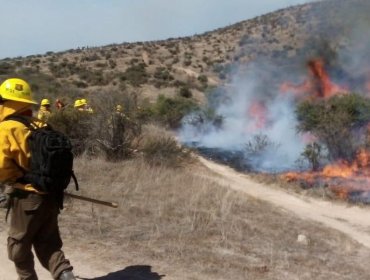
190 228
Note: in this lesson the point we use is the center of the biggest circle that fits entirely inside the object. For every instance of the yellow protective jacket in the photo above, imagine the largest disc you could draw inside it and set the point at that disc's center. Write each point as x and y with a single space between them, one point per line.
14 150
43 114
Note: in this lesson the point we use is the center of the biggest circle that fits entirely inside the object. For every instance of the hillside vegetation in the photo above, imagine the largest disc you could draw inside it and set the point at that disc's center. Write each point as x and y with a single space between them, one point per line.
189 66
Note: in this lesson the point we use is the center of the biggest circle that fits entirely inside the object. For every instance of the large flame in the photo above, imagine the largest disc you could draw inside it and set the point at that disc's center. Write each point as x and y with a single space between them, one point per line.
342 177
317 85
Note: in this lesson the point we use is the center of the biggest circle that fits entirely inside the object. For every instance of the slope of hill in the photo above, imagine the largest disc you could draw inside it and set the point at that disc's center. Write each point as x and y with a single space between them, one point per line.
197 63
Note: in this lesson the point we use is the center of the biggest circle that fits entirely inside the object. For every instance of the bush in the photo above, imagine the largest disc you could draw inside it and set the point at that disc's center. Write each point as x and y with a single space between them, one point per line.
187 62
312 154
185 92
93 77
259 144
6 68
170 111
203 79
136 75
161 73
104 132
117 134
76 125
335 122
100 134
160 148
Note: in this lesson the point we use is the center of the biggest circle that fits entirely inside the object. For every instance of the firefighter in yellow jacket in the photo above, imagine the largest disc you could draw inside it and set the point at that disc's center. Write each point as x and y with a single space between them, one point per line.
44 111
86 107
33 215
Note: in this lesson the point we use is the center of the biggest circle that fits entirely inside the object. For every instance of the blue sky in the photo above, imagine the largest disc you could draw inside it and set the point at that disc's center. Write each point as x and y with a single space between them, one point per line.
37 26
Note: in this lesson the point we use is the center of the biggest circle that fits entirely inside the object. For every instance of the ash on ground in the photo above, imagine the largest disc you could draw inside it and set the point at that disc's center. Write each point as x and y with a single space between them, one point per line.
235 159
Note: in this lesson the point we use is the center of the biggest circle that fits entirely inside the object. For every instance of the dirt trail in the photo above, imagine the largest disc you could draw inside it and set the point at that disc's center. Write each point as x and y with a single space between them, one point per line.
351 220
7 271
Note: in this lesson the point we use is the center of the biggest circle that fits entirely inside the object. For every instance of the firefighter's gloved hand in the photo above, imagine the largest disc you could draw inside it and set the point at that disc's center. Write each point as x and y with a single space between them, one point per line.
4 200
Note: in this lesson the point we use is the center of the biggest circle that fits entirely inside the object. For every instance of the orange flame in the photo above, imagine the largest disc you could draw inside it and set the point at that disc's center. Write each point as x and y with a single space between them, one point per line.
257 112
318 85
339 169
341 177
323 86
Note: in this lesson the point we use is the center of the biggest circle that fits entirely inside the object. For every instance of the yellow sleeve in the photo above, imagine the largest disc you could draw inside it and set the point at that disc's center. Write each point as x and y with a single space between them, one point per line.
40 115
13 152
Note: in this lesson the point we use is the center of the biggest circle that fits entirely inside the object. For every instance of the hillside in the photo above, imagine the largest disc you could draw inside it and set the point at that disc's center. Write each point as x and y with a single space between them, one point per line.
192 66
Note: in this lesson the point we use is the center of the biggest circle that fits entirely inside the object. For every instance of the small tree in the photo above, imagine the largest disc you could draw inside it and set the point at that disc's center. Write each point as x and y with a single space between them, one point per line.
170 111
313 154
335 122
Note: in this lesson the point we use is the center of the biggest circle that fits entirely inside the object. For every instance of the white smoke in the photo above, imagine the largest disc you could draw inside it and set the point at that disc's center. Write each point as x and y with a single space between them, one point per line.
274 117
344 45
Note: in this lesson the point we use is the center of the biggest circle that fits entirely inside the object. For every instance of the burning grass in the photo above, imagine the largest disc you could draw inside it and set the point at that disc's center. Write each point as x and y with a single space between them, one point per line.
188 227
342 180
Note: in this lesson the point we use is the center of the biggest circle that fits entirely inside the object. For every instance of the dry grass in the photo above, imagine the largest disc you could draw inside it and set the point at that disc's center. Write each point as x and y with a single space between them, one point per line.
160 147
181 222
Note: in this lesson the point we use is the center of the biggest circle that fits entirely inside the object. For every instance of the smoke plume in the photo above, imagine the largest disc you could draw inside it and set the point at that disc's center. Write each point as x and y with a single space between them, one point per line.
254 114
256 120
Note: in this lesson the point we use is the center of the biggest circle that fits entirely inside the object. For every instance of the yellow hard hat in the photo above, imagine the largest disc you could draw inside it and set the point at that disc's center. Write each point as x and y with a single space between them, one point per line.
78 103
17 90
83 101
45 102
119 108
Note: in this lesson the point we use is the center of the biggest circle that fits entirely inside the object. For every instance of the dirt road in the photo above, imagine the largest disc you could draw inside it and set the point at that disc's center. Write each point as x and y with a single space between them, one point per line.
351 220
7 271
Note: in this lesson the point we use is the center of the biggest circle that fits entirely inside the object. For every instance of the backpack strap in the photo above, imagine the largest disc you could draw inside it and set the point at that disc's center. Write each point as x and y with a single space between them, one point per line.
27 121
22 119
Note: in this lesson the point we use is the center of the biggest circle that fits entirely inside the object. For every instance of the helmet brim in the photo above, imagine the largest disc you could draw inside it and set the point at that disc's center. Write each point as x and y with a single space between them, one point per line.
21 100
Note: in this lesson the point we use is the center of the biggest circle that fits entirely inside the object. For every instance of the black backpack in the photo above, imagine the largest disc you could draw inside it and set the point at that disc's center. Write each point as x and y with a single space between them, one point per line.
51 164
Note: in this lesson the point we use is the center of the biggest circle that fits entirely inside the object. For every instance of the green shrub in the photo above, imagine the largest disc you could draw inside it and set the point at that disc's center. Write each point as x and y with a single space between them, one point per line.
76 125
312 154
6 68
93 77
203 79
335 122
170 111
162 73
136 75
